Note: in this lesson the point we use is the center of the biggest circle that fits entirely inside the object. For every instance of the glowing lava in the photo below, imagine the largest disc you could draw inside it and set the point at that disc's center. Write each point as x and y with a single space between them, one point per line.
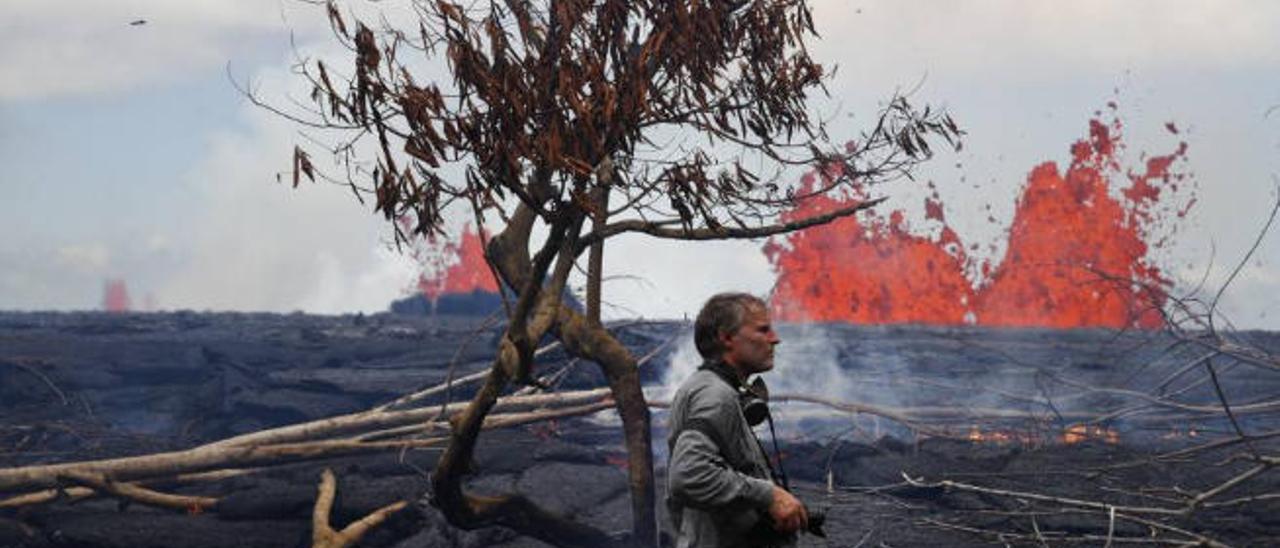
868 270
1077 255
115 296
1077 433
463 269
1072 434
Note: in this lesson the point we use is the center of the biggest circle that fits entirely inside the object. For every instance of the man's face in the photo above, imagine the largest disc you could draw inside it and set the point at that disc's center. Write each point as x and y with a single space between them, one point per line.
750 348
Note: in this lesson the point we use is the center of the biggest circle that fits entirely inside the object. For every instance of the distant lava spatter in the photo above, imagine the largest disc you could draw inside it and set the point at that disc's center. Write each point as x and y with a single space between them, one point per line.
115 296
468 273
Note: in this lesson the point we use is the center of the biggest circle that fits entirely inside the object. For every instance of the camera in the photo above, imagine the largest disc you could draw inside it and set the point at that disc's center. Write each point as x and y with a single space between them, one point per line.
817 518
764 531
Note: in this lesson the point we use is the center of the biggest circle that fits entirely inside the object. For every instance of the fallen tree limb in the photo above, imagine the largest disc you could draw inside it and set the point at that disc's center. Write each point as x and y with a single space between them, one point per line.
165 465
70 494
366 420
1228 485
35 372
479 375
324 536
1119 512
428 392
1042 538
135 493
73 494
1124 512
447 385
1102 506
849 407
158 465
501 420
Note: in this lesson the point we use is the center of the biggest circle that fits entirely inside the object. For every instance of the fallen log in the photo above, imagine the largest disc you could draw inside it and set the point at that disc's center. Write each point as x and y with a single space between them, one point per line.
374 420
206 458
75 494
134 493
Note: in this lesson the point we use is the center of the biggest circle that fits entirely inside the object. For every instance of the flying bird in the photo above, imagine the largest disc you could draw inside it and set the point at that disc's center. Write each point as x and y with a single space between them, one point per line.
138 23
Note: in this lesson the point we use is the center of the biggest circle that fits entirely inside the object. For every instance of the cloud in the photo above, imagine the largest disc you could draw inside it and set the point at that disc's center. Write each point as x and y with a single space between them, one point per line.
1251 299
159 244
364 284
84 258
1046 37
259 244
658 278
59 48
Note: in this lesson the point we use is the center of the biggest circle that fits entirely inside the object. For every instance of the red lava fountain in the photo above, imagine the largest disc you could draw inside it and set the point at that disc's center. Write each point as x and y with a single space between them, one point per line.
466 269
115 296
1077 255
867 270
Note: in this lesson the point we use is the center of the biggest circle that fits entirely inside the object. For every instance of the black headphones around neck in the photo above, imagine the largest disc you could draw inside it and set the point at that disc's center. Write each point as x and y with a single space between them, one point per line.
753 399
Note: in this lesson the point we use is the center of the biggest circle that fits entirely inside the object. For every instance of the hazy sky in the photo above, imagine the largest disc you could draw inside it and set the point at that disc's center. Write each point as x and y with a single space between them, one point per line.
127 153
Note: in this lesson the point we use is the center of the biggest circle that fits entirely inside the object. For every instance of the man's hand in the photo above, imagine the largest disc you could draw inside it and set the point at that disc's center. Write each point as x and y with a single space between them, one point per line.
787 511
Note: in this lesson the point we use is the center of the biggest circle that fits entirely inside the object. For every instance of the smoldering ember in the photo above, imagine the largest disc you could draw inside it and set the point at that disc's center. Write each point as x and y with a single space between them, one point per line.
904 435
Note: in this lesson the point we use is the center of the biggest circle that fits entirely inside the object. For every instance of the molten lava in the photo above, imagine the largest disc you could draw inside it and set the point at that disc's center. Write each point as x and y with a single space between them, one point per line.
465 269
1077 255
115 296
866 270
1077 433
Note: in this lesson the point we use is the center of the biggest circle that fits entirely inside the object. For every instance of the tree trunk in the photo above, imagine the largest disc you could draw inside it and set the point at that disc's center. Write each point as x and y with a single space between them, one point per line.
594 343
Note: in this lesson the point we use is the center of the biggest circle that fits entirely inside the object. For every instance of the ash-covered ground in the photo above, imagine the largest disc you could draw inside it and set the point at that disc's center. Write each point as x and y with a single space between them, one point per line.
1076 416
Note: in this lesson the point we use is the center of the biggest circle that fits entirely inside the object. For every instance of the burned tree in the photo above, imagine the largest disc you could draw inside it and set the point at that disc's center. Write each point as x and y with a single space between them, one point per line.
560 119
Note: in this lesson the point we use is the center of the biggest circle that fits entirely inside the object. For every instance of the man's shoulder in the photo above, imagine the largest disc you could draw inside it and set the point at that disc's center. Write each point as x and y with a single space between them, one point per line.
704 394
704 384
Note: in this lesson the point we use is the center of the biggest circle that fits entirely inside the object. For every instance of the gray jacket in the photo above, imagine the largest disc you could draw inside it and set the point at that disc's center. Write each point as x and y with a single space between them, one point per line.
715 493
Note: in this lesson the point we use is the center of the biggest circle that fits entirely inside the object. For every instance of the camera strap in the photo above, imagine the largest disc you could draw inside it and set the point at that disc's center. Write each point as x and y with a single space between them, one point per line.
781 473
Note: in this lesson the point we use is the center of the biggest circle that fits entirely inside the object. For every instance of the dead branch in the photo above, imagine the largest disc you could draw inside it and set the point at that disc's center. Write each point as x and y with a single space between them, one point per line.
212 457
74 494
135 493
36 373
1042 538
552 379
69 494
1100 506
1120 512
313 449
367 420
493 421
324 536
1129 513
444 386
903 417
1227 485
161 465
722 232
1226 408
1242 501
428 392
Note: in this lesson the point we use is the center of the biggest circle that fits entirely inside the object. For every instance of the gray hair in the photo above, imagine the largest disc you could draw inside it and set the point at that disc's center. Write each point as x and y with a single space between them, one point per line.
723 313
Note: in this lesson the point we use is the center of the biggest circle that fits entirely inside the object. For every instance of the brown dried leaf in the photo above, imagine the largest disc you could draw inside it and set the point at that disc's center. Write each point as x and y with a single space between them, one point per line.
302 164
335 18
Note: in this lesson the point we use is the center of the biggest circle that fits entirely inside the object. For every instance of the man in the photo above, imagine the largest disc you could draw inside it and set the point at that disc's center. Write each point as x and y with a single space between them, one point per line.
719 484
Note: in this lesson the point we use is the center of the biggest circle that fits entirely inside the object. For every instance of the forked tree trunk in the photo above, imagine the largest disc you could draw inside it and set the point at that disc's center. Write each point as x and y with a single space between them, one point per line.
508 253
